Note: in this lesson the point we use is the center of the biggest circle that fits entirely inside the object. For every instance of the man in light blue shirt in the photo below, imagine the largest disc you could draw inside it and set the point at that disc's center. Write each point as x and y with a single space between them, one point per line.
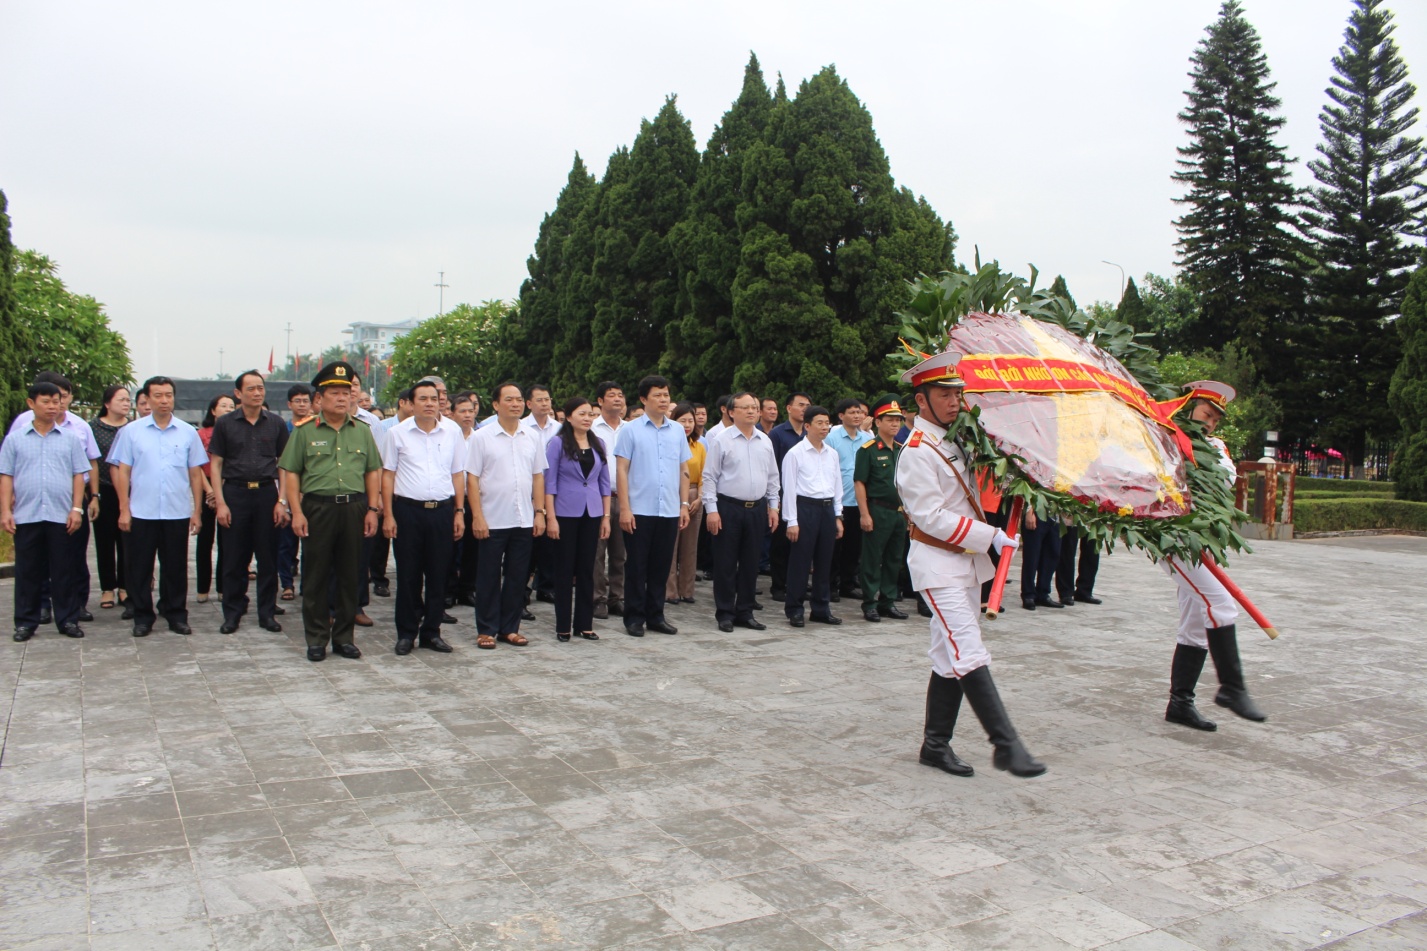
651 455
159 480
42 472
846 439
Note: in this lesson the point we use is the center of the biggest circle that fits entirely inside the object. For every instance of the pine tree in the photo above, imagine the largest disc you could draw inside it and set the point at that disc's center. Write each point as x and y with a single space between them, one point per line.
645 193
1132 310
1369 196
1408 392
13 337
702 348
1059 288
1236 246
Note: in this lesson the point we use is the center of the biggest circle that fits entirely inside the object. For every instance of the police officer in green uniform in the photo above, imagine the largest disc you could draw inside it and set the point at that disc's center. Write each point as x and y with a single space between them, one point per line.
332 484
884 527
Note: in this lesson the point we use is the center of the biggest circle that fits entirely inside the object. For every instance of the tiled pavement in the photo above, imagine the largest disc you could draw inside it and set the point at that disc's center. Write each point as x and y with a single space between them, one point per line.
708 791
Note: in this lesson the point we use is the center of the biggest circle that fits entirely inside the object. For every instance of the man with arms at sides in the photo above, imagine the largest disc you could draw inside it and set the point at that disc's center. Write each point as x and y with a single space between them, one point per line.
884 528
740 491
652 456
609 553
243 453
542 422
159 481
948 562
846 438
505 489
785 436
812 505
376 550
332 483
299 403
461 578
424 498
42 504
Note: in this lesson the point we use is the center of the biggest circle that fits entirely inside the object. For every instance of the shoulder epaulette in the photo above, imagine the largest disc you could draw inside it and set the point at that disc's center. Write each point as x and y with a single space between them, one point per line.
915 439
304 421
869 444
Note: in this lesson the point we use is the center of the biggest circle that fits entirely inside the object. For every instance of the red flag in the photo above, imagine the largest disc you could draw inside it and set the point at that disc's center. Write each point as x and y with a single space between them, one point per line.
367 365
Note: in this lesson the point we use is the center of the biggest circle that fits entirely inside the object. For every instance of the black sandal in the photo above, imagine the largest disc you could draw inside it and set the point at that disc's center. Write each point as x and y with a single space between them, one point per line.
561 637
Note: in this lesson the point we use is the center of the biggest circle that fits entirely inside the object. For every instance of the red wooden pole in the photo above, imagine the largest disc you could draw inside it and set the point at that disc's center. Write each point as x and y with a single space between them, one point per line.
1003 567
1240 597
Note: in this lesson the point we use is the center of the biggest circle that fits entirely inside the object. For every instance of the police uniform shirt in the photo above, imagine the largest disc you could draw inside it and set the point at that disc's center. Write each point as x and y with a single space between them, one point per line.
811 473
506 465
424 462
331 461
249 450
740 467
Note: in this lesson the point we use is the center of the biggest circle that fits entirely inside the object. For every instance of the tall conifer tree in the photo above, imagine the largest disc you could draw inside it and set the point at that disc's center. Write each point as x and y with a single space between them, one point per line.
1369 196
13 338
1132 309
1059 288
1408 391
1236 244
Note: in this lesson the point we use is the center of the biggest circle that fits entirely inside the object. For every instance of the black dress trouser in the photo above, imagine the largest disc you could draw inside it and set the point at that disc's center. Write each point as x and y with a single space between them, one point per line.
817 530
500 580
648 553
331 564
251 533
168 539
1068 583
108 540
44 550
736 550
575 568
423 558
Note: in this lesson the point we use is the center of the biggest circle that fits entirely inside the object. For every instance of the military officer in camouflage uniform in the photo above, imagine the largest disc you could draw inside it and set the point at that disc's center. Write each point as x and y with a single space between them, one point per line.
884 528
332 484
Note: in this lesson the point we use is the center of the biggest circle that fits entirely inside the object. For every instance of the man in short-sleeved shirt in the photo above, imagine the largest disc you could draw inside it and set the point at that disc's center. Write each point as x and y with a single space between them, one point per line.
159 481
651 458
41 504
505 488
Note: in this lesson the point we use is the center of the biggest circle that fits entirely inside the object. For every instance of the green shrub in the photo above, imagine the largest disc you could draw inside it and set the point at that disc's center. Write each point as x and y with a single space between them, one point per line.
1357 514
1344 486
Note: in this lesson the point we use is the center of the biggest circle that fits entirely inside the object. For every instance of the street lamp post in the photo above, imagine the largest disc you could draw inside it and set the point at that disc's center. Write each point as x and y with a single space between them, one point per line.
1122 275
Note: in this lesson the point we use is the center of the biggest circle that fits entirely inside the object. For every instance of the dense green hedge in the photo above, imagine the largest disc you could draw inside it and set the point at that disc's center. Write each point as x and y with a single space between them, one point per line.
1357 514
1343 487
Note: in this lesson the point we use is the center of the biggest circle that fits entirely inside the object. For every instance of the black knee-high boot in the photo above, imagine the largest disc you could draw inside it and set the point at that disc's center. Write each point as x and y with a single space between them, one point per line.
1184 674
943 704
985 700
1224 648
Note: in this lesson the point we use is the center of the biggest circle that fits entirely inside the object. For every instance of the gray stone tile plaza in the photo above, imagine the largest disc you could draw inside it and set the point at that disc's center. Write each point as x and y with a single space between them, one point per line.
721 791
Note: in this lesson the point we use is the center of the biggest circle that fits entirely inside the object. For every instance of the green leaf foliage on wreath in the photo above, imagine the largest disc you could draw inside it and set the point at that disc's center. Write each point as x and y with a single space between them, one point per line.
937 304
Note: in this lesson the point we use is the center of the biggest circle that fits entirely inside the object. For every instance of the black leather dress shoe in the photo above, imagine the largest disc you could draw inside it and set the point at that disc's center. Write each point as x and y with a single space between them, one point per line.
753 624
71 630
437 645
228 627
128 613
922 608
84 615
1028 604
448 619
726 626
545 596
348 651
315 654
870 614
661 626
23 634
826 619
382 590
526 615
270 625
180 627
796 620
616 608
758 605
894 612
465 600
46 616
1088 599
142 630
634 630
279 610
1048 603
404 646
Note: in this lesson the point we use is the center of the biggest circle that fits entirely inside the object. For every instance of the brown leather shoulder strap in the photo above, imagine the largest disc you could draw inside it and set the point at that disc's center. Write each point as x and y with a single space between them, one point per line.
970 497
920 536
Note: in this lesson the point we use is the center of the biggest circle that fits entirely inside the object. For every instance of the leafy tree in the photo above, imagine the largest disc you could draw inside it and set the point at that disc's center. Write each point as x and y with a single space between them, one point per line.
1172 310
458 346
1236 244
702 347
1132 310
644 194
1369 196
72 331
1408 393
333 353
14 339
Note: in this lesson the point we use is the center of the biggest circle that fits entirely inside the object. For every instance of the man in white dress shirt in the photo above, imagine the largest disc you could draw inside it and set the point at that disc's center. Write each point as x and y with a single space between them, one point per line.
423 496
542 422
505 488
812 514
609 553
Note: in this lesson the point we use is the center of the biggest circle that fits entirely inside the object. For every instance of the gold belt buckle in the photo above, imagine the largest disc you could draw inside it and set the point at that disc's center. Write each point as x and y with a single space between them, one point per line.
255 485
429 505
749 505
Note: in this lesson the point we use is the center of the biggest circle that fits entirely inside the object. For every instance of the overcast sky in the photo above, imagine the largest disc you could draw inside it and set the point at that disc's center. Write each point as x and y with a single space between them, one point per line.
214 172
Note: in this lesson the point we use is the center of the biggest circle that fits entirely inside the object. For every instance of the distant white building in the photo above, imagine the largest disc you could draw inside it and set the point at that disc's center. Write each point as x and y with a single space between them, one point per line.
381 338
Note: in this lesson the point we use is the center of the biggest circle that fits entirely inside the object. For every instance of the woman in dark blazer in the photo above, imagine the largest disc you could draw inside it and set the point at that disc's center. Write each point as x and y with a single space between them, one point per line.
577 503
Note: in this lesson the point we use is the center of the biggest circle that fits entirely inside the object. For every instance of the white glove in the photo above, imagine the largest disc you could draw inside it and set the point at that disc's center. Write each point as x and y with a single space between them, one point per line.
1003 541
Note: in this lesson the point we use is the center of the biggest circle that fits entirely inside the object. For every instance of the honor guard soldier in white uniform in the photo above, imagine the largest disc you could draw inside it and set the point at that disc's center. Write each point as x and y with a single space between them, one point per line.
1207 611
948 563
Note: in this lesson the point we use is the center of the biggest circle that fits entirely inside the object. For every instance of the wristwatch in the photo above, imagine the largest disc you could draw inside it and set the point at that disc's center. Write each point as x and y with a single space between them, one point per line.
460 511
539 511
373 508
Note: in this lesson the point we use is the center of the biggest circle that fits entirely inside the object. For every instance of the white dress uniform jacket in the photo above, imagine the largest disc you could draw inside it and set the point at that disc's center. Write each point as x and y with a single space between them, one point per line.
937 504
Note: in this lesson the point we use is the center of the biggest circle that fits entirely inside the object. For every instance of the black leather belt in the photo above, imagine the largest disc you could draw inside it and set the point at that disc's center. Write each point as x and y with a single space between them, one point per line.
243 483
739 503
426 505
348 499
804 500
889 506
